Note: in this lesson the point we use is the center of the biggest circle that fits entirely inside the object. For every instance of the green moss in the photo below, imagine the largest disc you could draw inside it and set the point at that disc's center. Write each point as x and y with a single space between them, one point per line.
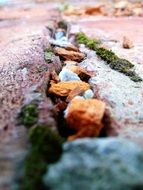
133 76
46 148
121 65
118 64
29 115
48 55
81 38
106 55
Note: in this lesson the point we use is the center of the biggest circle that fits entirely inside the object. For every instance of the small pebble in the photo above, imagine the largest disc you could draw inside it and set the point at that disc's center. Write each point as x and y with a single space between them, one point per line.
67 75
88 94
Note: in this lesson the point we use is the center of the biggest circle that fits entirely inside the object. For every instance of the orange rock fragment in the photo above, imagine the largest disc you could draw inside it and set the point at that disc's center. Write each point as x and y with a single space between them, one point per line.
85 116
72 48
65 87
69 55
94 10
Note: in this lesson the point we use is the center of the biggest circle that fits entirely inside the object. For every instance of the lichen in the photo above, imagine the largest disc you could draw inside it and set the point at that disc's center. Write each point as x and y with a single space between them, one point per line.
48 55
46 148
29 115
81 38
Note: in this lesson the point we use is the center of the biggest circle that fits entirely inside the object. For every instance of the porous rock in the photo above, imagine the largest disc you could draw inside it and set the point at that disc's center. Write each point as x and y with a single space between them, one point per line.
85 116
69 55
63 88
96 164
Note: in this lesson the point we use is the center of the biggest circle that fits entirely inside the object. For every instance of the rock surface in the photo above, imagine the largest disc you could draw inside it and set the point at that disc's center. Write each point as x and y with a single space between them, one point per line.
122 96
23 77
65 87
69 55
96 164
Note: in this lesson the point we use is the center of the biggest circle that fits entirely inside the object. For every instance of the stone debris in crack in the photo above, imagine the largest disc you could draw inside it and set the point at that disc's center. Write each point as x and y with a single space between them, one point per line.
63 88
69 54
85 116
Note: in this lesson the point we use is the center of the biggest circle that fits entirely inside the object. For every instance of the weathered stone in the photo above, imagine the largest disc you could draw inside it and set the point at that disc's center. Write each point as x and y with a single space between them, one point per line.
69 55
95 164
85 117
124 109
65 87
23 78
127 43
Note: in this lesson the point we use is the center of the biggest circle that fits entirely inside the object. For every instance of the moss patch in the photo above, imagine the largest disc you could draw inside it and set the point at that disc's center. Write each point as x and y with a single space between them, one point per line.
116 63
46 148
29 115
106 55
81 38
48 55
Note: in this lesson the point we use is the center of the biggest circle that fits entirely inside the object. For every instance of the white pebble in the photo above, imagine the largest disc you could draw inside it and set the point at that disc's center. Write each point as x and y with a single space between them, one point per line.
67 75
88 94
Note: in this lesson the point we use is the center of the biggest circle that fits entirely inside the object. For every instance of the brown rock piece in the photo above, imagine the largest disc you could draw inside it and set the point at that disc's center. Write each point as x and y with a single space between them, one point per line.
85 116
72 48
75 92
65 87
127 43
69 55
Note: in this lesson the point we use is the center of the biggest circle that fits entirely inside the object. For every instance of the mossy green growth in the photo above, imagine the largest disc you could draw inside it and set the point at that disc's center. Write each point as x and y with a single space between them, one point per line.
118 64
106 55
29 115
121 65
81 38
46 148
133 76
48 55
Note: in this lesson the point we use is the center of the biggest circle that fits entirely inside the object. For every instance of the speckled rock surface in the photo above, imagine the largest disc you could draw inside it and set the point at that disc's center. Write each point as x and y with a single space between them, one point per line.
23 77
123 97
96 164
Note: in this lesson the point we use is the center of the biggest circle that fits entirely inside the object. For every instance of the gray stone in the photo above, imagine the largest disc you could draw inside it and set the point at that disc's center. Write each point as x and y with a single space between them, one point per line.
98 164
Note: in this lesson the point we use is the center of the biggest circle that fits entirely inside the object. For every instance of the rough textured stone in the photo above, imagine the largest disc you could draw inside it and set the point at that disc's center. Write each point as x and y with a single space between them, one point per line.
65 87
85 117
122 96
127 43
95 164
69 55
23 78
